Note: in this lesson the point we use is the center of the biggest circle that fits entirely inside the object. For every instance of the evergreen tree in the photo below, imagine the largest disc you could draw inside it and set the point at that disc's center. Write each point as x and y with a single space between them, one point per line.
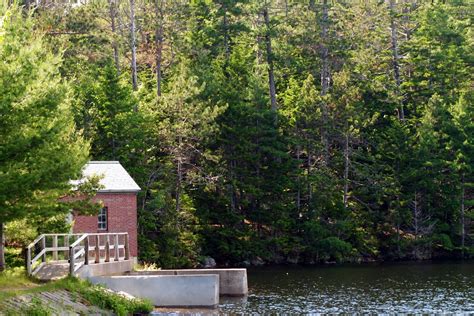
40 149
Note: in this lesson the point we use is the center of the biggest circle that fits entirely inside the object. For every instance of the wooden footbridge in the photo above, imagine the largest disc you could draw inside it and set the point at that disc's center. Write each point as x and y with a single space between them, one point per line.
53 256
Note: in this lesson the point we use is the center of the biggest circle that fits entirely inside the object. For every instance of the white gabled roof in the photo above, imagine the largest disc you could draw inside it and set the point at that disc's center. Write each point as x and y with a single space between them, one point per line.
114 177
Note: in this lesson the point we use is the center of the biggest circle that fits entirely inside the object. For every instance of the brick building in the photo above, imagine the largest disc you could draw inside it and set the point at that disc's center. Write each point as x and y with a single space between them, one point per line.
119 197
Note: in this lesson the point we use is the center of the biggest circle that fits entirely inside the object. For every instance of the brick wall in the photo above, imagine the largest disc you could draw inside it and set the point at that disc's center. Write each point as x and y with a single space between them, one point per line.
122 217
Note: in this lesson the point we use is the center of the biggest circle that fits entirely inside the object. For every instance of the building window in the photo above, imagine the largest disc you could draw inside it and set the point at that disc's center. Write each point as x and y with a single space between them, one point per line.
102 219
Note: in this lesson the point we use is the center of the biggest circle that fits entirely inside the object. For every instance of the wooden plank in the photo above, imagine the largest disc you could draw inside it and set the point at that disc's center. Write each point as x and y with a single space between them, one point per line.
35 241
55 246
66 244
107 249
79 253
51 249
86 250
127 248
28 261
40 255
38 268
97 249
71 261
116 248
43 246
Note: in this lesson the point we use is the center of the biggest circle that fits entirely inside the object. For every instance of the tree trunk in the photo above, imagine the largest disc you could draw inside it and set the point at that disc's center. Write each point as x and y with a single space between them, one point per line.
179 178
133 46
298 193
325 81
2 247
268 45
398 227
396 58
233 204
346 168
226 35
259 54
113 12
310 187
463 215
159 44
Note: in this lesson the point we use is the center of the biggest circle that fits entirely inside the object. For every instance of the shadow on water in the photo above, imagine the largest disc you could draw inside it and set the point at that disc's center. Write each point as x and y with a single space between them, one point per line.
446 287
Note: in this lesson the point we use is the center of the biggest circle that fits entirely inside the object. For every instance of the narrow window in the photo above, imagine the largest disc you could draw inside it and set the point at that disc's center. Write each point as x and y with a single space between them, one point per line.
102 219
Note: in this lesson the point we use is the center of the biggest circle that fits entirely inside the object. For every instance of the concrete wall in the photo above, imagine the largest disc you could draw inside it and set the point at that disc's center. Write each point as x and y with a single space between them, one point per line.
232 282
122 217
167 290
106 268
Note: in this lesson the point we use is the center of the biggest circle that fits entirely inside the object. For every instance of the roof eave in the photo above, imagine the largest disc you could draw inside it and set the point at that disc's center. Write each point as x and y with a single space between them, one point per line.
119 191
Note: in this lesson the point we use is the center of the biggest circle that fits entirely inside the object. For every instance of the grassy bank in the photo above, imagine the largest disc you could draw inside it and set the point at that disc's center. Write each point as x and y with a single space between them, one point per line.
14 282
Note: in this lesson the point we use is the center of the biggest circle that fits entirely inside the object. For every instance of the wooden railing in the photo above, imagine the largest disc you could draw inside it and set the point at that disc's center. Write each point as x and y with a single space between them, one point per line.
76 249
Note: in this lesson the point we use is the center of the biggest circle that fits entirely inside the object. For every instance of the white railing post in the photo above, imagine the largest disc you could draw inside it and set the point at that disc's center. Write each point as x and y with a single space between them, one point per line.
71 260
28 260
107 248
116 246
97 249
43 247
86 248
66 244
126 247
55 246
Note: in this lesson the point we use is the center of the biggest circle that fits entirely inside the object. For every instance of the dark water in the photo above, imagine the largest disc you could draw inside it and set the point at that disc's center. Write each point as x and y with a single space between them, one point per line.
408 288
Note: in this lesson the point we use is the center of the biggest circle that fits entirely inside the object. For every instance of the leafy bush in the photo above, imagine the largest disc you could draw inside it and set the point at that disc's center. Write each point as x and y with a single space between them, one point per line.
336 249
14 257
443 241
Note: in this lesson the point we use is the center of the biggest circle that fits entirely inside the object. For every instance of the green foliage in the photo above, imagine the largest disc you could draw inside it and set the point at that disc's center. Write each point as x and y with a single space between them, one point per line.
373 162
36 308
14 257
40 148
106 299
14 282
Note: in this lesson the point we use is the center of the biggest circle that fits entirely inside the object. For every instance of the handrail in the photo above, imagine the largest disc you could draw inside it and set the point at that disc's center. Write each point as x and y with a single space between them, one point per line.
36 241
74 244
78 252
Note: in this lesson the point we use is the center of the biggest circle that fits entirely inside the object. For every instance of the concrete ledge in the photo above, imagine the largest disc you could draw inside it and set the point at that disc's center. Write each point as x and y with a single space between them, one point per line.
105 268
167 290
232 282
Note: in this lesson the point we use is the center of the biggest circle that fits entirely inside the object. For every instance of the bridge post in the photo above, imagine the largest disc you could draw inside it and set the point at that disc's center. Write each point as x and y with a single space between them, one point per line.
43 247
86 249
55 245
71 261
107 248
97 249
126 248
28 260
66 244
116 246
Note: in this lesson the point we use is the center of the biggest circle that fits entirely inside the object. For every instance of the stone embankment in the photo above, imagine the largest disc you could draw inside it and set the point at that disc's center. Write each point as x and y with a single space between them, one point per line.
60 302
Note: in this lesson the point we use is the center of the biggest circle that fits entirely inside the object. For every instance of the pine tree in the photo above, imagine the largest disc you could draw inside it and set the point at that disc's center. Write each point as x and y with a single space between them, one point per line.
40 149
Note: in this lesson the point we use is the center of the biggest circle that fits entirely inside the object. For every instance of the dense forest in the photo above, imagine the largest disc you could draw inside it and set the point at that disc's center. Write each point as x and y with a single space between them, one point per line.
264 131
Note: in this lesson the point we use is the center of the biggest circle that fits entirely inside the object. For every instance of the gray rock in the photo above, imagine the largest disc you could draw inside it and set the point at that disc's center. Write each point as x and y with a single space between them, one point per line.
257 262
209 263
292 260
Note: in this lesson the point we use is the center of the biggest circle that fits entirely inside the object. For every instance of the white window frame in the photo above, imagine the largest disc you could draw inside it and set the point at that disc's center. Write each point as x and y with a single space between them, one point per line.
103 219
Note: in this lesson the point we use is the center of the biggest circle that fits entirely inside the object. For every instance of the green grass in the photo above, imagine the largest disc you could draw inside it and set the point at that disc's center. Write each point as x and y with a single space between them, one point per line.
99 296
15 282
